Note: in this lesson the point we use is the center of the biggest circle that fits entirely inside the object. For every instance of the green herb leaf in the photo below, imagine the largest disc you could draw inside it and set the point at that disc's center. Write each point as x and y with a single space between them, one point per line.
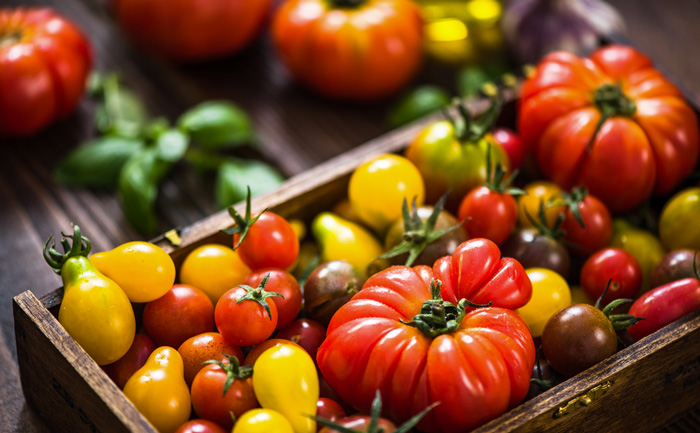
235 175
470 80
418 103
218 124
171 145
97 163
138 188
122 112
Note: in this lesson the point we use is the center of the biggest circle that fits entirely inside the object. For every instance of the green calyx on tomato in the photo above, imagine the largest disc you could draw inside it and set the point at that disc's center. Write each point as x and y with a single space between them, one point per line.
418 234
471 129
572 201
233 370
375 412
439 317
243 223
496 179
79 246
619 321
611 101
540 223
259 294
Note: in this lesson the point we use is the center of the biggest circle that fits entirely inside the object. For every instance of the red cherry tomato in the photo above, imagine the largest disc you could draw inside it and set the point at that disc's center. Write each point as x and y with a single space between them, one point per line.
248 322
489 214
329 410
200 426
183 312
284 283
307 333
205 347
512 144
192 29
44 63
597 228
270 243
121 370
611 264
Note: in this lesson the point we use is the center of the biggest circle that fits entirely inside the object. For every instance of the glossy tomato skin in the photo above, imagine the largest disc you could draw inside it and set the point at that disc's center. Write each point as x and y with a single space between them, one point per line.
329 409
675 265
259 348
535 250
271 242
488 214
596 231
329 286
191 30
284 283
244 323
210 402
369 346
678 221
649 146
307 333
615 265
205 347
512 144
361 53
121 370
200 426
44 67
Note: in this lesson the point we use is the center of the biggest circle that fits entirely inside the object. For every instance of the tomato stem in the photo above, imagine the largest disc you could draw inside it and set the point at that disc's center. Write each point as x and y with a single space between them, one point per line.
611 101
259 294
78 246
233 370
243 223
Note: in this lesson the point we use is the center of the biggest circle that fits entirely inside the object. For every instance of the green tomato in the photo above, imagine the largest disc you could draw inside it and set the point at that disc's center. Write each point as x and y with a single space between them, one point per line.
678 226
642 244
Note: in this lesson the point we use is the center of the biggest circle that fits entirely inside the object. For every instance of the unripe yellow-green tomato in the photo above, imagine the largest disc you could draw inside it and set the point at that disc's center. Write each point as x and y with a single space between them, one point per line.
262 421
143 270
159 391
679 226
378 188
642 244
213 269
550 293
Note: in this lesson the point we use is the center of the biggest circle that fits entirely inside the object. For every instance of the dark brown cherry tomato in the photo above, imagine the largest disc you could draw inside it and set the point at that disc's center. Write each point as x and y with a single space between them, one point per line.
200 426
613 265
675 265
204 347
121 370
183 312
307 333
328 287
535 250
284 283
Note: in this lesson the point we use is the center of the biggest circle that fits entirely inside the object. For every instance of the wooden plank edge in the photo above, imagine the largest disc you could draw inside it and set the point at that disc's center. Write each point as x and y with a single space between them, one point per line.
29 310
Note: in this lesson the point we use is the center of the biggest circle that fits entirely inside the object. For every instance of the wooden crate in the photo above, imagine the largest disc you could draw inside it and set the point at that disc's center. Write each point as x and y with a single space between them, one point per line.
640 388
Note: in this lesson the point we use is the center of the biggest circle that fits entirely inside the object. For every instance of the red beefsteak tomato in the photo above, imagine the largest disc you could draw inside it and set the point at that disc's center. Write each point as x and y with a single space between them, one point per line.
191 30
610 122
350 49
401 335
44 64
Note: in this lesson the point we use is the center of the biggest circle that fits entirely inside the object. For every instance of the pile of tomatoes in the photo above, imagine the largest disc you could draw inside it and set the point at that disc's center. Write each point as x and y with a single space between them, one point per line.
424 294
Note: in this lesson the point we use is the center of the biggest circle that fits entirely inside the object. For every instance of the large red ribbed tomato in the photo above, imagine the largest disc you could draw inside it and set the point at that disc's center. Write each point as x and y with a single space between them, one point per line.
610 122
401 335
350 49
191 30
44 63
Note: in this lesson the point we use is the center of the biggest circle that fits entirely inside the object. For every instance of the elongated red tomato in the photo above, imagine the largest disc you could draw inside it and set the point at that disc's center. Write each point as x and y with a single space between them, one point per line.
397 335
611 122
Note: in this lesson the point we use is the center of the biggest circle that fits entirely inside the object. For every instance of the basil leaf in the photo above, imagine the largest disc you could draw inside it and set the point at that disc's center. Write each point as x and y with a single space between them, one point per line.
97 163
235 175
418 103
171 145
122 112
138 188
218 124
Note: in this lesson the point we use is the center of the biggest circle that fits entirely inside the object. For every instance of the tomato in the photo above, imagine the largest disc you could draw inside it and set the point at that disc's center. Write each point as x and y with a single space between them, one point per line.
143 270
159 392
329 409
642 244
610 122
245 316
378 188
284 283
451 157
221 389
266 241
205 347
262 421
258 350
664 304
286 381
200 426
398 336
614 266
95 311
191 30
512 144
187 306
328 287
214 269
536 192
353 50
550 294
675 265
593 231
44 64
678 222
537 250
121 370
306 333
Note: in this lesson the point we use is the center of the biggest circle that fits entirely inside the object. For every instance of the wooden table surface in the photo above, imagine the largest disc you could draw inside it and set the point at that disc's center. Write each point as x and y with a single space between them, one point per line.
298 129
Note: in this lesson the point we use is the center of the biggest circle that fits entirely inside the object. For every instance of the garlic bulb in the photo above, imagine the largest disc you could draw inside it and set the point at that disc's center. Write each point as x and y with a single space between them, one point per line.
534 28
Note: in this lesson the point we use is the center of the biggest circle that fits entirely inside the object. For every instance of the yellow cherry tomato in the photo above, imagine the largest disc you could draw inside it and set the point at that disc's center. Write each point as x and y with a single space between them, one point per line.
550 293
159 391
529 203
262 421
378 187
143 270
642 244
214 269
285 379
678 224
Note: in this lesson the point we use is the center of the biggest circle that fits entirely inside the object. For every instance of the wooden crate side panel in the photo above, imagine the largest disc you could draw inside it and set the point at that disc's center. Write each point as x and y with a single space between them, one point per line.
62 383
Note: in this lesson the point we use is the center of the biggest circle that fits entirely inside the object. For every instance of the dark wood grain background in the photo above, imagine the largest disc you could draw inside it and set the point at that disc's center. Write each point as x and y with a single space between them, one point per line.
298 130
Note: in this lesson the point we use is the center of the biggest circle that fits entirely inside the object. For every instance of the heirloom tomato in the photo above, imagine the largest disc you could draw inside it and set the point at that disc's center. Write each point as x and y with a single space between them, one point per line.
191 30
213 269
350 49
205 347
328 287
610 122
44 64
410 337
678 224
676 265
